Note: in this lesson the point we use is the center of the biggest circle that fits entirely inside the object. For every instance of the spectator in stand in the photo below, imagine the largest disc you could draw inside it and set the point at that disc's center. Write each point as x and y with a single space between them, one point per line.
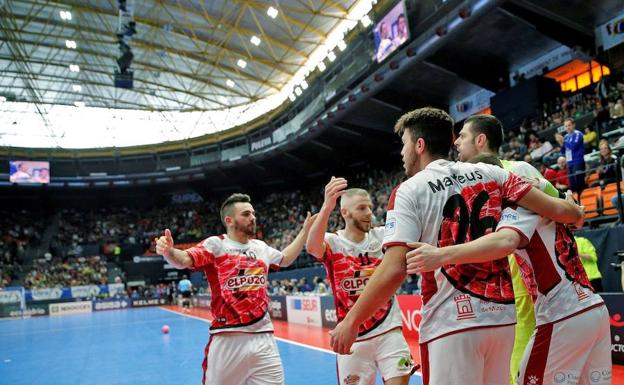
590 140
573 151
589 259
548 173
617 110
534 141
517 150
562 181
601 117
320 287
607 166
542 148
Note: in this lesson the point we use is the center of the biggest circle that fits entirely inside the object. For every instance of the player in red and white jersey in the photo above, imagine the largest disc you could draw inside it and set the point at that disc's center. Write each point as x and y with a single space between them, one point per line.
241 349
565 302
350 257
468 313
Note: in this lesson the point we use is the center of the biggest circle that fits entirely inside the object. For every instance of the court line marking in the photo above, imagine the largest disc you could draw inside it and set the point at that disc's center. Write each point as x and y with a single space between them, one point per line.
277 338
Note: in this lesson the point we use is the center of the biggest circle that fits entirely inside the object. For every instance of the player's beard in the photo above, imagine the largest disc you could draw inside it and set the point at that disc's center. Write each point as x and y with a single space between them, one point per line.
362 226
410 165
249 230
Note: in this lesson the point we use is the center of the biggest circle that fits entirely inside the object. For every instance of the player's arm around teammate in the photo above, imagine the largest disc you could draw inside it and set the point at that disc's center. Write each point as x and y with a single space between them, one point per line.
425 257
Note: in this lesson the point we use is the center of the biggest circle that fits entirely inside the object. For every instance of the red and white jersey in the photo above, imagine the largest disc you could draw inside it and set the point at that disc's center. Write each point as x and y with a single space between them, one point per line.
237 274
563 288
450 203
349 266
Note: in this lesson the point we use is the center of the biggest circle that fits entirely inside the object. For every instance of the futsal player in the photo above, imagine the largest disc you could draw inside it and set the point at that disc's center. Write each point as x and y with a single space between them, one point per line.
483 134
241 349
468 315
571 344
350 257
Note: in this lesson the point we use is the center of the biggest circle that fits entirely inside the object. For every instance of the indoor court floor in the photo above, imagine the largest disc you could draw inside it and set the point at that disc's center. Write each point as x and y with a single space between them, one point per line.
126 347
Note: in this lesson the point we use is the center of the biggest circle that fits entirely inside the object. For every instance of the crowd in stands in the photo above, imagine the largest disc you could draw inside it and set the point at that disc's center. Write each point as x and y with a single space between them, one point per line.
72 271
539 141
123 225
19 229
281 214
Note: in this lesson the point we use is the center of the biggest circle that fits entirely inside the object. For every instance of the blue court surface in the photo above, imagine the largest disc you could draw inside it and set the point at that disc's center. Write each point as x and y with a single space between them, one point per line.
127 347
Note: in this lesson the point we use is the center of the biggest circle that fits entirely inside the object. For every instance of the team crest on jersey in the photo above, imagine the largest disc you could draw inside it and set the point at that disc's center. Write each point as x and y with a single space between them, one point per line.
351 379
249 279
356 284
464 307
582 294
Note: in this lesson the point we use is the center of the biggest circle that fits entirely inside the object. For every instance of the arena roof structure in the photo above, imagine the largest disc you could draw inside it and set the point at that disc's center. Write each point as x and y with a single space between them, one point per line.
334 124
236 60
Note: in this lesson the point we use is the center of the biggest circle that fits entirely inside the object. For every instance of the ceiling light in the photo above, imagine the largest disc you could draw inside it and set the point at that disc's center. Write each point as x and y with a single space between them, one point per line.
230 83
292 97
74 68
77 87
70 44
342 45
79 104
304 85
272 12
255 40
241 63
65 15
366 21
298 91
321 66
331 56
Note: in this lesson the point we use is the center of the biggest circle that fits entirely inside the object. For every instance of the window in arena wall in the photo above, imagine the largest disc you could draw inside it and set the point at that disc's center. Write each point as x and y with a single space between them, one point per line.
569 85
583 80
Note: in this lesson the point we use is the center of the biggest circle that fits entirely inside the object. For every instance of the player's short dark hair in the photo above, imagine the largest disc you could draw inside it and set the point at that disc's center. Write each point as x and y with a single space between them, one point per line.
571 120
490 126
433 125
486 158
228 204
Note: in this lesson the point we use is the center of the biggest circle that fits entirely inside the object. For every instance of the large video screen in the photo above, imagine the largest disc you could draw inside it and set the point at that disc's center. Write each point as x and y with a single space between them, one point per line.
391 32
26 171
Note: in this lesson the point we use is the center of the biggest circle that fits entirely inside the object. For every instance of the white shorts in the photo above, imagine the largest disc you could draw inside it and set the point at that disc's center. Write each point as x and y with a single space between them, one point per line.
387 352
242 359
573 351
479 356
